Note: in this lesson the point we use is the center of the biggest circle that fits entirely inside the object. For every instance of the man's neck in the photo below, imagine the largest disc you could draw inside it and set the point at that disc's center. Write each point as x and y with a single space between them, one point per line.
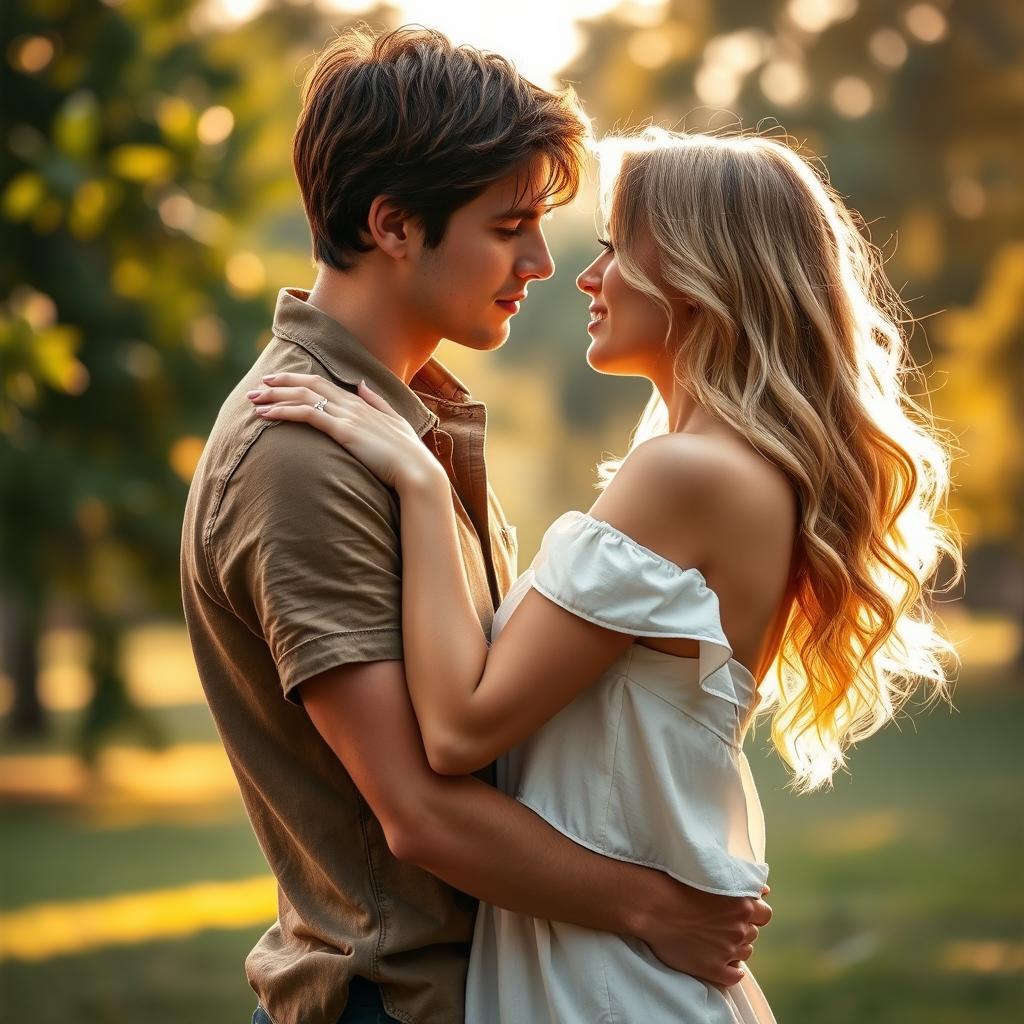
357 300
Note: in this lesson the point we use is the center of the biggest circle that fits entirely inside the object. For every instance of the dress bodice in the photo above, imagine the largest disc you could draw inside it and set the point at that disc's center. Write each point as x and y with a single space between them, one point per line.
646 765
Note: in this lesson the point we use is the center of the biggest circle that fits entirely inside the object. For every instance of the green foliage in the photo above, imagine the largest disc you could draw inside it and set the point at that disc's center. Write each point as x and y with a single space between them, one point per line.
142 155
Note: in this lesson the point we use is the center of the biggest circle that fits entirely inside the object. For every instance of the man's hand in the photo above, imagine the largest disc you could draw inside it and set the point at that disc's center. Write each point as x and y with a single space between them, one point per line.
702 934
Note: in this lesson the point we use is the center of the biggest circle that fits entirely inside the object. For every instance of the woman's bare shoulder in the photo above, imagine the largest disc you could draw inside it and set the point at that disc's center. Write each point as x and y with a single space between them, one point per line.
685 495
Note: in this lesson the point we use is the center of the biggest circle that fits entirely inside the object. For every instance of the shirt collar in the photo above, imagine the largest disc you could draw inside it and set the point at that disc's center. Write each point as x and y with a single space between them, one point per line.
349 362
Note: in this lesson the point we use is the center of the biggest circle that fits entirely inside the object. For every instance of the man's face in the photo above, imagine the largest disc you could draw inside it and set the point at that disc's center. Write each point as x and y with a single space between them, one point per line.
470 286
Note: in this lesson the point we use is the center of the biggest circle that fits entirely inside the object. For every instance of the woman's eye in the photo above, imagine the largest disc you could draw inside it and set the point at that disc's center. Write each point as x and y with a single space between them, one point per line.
606 245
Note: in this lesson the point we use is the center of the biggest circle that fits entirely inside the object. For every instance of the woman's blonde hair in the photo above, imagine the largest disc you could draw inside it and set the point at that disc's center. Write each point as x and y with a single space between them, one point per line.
795 339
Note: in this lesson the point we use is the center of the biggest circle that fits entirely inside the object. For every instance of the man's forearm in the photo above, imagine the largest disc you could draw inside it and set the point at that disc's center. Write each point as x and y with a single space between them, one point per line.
487 844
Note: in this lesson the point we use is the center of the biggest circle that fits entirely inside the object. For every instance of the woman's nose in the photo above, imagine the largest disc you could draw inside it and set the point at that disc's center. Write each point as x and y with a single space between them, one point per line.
589 281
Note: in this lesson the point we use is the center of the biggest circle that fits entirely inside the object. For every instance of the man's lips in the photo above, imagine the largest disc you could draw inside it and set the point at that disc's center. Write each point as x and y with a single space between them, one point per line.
511 305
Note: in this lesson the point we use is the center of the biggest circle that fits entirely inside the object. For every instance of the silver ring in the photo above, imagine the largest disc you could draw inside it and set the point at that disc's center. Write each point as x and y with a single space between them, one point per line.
320 405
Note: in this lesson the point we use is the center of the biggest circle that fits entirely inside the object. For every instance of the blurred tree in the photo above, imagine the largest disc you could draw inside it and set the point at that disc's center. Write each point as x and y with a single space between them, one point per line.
145 151
918 110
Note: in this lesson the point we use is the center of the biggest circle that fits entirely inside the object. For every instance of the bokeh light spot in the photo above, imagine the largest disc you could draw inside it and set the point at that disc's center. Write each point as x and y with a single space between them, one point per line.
888 48
141 163
926 23
215 125
784 82
717 86
649 48
30 54
24 193
246 274
852 97
967 198
184 456
818 15
207 335
130 278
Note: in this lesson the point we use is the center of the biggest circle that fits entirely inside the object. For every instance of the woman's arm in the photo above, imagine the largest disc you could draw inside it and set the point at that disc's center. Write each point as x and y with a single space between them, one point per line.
472 702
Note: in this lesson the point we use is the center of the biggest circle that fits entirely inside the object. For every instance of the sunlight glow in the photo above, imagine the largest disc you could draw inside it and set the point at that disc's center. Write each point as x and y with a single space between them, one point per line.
185 775
45 930
537 53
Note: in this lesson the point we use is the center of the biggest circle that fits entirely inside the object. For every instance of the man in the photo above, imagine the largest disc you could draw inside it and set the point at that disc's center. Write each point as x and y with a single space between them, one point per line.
425 171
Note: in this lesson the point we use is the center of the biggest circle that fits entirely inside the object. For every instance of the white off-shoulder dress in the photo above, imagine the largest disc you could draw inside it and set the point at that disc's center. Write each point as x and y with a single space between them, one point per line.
645 766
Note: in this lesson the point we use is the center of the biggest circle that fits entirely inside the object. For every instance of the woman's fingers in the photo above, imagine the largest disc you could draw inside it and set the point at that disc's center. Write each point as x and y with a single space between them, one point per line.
265 396
299 380
368 395
340 428
283 387
299 411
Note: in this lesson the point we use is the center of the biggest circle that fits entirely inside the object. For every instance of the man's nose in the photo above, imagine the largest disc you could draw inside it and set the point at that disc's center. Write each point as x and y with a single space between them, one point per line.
540 265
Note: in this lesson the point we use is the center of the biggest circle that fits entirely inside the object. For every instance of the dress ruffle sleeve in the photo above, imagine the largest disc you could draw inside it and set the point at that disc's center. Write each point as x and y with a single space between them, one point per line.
595 571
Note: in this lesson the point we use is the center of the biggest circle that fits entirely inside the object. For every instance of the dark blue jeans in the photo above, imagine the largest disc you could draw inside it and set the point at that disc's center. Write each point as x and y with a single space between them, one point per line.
364 1006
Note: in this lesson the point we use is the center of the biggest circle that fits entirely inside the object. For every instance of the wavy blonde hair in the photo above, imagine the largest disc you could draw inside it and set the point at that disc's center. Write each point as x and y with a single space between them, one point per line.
795 339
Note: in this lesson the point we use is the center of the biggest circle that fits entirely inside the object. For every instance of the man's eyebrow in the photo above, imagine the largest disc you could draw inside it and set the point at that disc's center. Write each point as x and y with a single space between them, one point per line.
525 213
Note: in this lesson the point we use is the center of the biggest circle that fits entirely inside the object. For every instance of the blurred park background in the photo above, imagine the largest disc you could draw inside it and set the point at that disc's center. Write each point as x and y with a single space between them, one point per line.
148 217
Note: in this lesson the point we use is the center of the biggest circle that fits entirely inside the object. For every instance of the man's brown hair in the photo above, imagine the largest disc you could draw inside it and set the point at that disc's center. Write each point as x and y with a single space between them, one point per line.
407 114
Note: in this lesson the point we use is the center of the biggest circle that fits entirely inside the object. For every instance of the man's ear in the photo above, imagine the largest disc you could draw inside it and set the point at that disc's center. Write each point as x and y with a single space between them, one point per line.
391 227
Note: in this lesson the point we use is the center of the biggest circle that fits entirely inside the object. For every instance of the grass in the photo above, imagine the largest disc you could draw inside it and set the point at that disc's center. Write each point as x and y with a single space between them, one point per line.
897 897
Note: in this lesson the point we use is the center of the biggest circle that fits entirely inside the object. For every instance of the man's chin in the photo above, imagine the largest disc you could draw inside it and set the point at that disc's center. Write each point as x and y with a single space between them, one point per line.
483 340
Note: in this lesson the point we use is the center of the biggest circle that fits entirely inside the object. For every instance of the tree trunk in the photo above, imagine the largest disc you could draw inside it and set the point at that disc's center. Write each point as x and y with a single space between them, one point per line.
21 620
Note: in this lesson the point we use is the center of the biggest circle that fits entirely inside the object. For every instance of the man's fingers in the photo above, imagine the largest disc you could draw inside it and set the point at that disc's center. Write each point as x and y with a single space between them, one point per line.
728 976
762 914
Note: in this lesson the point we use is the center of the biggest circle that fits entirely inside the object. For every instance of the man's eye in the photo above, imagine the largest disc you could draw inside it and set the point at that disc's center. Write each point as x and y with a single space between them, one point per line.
510 232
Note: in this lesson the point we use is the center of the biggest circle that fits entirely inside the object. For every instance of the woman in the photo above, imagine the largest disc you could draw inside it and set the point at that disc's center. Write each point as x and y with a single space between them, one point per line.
780 507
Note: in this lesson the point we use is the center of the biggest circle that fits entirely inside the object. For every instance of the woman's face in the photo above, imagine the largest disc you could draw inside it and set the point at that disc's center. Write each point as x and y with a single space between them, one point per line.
627 327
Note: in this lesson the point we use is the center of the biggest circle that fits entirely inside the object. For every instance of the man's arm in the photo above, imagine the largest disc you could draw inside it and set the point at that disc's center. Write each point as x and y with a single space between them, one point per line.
492 847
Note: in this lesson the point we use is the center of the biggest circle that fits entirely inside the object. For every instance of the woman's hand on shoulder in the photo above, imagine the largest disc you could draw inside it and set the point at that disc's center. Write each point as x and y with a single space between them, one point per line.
363 423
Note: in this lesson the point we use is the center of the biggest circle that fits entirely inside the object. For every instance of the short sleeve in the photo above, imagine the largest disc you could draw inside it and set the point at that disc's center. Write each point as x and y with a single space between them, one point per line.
595 571
305 547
